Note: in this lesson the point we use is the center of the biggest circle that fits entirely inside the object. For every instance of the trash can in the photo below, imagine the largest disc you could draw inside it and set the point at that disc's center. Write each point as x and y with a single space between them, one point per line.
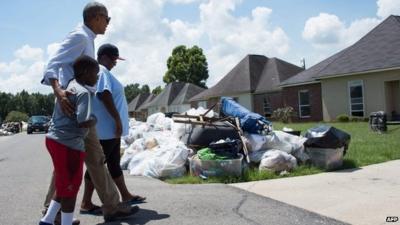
326 158
377 121
326 146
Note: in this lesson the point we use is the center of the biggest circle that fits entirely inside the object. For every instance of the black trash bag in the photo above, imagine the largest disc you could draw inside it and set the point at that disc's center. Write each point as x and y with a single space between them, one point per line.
199 136
229 148
324 136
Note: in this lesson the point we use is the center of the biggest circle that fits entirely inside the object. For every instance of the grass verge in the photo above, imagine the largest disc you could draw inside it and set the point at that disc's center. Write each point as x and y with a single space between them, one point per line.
366 148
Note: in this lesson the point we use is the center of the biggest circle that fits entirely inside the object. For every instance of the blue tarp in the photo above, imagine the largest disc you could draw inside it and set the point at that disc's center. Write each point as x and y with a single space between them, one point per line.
249 121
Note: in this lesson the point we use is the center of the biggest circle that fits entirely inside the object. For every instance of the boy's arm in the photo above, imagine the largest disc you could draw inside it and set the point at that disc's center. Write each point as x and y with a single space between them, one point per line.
84 111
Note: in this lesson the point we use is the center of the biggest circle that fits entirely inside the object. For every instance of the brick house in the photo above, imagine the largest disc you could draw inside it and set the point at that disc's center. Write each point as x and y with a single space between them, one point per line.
253 83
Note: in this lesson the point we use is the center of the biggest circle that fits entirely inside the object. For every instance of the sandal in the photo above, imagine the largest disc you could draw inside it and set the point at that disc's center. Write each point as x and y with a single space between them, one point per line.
136 200
95 210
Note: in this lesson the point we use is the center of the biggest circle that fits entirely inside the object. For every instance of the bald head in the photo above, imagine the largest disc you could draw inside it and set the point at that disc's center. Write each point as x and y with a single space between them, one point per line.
91 10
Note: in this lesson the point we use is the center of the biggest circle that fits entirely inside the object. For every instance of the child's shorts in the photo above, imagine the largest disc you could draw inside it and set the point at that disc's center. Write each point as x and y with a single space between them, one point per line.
68 168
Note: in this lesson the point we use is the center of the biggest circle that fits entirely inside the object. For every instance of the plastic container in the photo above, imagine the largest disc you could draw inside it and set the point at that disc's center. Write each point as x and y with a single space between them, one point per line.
210 168
326 158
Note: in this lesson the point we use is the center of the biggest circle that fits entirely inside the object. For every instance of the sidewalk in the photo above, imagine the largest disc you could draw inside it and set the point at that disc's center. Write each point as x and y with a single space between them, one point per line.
364 195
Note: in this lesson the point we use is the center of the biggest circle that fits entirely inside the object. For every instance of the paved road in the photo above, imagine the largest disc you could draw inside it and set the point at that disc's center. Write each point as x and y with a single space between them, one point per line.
25 167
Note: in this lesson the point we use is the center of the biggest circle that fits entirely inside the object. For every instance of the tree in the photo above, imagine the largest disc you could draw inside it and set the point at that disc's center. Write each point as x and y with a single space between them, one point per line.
145 89
5 100
131 91
157 90
187 65
15 116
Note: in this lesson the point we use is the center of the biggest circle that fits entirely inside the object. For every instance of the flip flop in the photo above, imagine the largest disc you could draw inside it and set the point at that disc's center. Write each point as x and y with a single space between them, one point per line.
136 200
95 210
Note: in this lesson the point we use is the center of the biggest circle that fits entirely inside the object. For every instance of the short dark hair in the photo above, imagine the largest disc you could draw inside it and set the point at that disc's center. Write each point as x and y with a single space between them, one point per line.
91 10
83 64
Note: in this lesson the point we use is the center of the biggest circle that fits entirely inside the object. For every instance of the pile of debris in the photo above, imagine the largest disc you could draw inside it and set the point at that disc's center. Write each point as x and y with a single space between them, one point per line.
9 128
205 144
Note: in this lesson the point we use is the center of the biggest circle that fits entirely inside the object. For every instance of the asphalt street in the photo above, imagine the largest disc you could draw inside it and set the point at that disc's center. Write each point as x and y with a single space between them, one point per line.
25 168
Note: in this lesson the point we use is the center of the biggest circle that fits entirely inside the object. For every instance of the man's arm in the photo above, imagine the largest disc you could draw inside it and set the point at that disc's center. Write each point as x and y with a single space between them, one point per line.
106 98
71 48
62 97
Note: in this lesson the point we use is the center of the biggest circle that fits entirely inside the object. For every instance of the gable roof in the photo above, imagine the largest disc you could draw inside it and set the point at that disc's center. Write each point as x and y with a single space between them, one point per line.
276 71
379 49
253 74
168 95
137 101
146 102
187 92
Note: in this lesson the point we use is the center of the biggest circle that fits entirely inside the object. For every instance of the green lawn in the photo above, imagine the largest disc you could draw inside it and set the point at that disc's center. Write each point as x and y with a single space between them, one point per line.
366 148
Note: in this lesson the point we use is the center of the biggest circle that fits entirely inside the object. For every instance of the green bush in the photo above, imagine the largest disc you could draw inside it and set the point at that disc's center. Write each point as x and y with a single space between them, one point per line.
342 118
15 116
284 114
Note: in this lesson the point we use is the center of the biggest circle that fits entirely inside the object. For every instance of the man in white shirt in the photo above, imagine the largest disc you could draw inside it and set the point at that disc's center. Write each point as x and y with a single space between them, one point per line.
57 74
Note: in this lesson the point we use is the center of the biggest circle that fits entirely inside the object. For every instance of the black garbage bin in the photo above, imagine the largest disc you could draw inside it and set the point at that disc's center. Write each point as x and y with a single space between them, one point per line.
377 121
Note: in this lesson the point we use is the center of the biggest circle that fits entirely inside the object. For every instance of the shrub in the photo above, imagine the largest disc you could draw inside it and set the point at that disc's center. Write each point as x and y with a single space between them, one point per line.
284 114
15 116
342 118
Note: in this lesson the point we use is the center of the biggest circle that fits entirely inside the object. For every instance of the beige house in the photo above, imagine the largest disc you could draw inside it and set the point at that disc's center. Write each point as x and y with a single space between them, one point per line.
356 81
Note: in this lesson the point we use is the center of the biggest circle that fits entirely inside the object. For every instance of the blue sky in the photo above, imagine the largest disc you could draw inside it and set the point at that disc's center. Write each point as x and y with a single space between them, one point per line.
146 31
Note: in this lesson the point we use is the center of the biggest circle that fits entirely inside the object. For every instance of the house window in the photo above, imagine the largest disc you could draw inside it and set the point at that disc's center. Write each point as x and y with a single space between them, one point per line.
304 104
267 107
356 94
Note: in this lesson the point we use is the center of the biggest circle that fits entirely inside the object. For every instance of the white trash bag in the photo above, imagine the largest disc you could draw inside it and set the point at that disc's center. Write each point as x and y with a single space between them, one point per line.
277 161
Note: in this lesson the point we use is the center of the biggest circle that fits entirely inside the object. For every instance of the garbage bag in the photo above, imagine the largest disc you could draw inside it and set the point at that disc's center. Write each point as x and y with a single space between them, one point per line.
208 154
228 148
324 136
277 161
249 121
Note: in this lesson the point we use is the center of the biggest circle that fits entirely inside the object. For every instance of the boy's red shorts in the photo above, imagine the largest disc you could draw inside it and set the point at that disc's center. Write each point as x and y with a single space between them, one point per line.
68 168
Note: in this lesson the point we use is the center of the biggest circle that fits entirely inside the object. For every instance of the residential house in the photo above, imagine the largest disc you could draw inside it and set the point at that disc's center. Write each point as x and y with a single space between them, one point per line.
181 102
141 112
253 83
174 98
356 81
136 103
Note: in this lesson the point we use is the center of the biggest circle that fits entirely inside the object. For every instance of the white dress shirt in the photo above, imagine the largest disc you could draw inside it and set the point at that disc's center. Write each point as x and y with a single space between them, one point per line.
79 42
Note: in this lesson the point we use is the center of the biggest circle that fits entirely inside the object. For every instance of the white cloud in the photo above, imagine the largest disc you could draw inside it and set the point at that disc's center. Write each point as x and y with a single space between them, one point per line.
24 72
182 1
323 29
387 8
28 53
146 39
327 31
